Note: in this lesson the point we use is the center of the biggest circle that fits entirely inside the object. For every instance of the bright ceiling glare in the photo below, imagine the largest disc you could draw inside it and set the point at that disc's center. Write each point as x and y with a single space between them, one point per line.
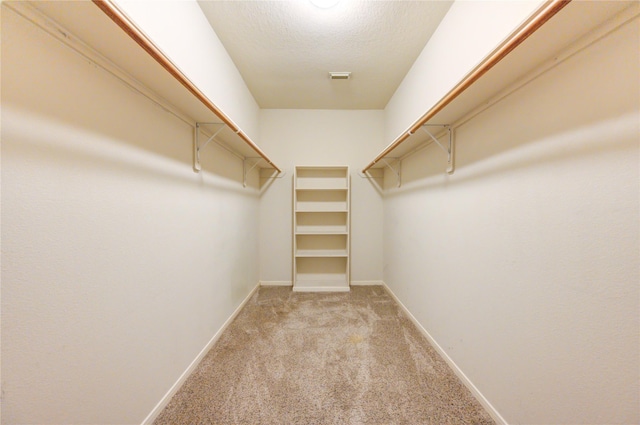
339 75
324 4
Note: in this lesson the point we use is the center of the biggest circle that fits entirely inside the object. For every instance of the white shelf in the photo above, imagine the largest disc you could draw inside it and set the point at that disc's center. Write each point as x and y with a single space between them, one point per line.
321 241
321 279
321 207
308 231
314 222
321 253
322 185
133 58
321 229
322 178
320 286
322 189
316 200
550 35
318 278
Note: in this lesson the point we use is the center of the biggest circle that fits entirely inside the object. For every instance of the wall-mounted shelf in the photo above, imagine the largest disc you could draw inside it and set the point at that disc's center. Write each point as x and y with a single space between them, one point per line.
218 132
536 46
321 229
102 33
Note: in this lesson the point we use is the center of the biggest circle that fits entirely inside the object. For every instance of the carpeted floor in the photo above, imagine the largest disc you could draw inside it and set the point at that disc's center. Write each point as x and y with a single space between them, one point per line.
318 358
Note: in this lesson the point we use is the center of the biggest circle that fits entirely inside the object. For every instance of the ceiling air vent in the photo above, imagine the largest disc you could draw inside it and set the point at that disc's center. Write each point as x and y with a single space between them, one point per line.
339 75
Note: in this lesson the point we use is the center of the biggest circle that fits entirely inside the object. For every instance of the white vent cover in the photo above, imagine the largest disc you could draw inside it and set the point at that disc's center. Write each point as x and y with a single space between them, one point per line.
339 75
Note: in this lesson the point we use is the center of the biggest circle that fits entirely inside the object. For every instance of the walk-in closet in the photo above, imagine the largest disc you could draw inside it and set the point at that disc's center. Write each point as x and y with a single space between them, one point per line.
320 211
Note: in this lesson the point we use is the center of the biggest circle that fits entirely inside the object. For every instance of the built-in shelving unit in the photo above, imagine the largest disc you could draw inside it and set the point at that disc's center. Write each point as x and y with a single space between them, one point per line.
556 31
103 34
321 245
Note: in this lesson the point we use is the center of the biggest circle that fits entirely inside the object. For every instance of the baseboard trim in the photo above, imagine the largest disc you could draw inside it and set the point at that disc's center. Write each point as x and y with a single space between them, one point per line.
176 386
321 289
367 283
276 283
459 373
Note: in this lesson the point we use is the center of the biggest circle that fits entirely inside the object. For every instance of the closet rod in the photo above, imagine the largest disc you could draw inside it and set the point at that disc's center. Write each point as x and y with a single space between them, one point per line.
539 18
117 16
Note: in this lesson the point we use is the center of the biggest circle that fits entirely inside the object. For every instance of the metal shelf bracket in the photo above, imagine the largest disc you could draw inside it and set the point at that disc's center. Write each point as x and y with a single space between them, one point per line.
246 170
397 171
368 175
197 167
250 163
449 149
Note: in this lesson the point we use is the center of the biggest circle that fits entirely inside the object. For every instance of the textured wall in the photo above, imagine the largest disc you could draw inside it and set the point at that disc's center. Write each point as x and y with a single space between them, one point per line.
321 137
469 31
118 262
181 31
524 265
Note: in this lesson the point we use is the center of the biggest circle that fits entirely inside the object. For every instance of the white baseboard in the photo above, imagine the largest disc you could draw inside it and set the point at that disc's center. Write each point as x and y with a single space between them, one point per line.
367 283
176 386
276 283
465 380
321 289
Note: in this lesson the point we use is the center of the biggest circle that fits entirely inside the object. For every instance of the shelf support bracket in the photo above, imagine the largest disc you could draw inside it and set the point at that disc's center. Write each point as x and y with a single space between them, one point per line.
367 175
196 143
397 171
247 169
449 149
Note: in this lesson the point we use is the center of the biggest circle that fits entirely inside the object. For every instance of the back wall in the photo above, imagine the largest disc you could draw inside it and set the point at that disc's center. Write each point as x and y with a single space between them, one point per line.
321 137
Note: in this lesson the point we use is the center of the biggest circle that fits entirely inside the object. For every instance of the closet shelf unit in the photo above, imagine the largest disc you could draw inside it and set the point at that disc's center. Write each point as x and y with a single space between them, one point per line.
321 221
535 47
104 35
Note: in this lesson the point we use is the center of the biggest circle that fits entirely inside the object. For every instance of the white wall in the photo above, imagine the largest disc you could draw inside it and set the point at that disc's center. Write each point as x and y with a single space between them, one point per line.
118 262
320 137
524 264
183 33
466 35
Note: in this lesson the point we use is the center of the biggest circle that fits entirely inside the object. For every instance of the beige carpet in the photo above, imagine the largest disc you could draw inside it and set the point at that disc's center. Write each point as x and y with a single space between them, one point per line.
339 358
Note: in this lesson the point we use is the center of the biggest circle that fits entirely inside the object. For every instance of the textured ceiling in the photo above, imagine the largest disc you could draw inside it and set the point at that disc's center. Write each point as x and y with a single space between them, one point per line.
285 49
